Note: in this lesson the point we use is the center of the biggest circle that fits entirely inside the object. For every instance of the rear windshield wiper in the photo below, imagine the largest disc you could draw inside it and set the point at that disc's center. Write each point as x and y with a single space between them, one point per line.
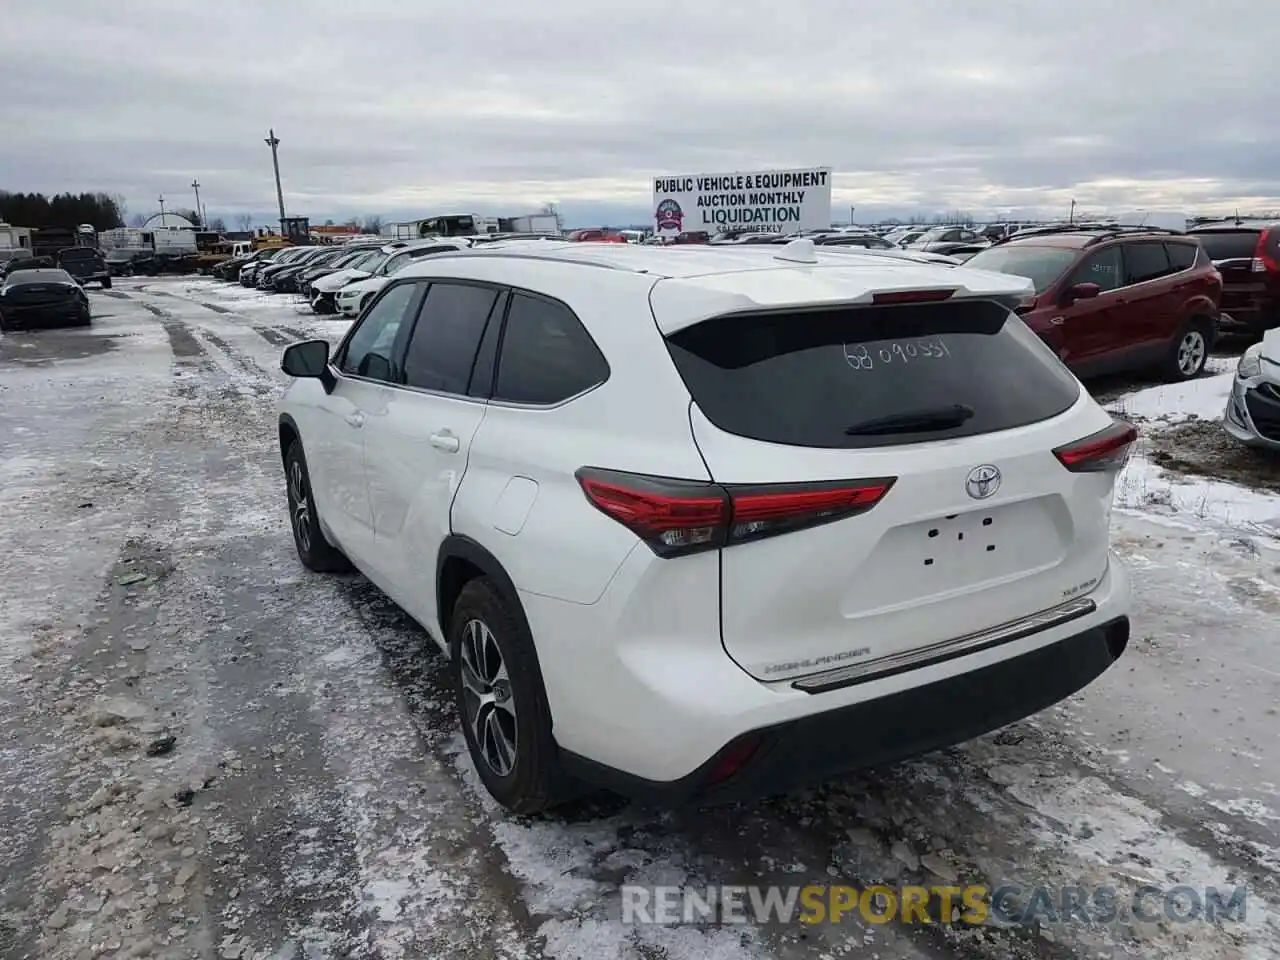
915 421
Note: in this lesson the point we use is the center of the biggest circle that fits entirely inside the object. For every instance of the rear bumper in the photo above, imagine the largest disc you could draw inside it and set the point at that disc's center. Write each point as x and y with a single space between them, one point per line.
821 746
45 315
1250 315
646 701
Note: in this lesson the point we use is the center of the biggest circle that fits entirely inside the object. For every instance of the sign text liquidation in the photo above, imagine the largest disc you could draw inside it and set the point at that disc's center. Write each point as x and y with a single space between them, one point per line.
764 200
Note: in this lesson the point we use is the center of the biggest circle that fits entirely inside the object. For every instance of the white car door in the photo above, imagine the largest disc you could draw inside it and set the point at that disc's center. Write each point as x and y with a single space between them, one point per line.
336 456
417 447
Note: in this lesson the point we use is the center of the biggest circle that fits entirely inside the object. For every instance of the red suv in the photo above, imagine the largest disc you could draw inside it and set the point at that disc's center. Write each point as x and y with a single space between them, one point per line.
1247 254
1115 298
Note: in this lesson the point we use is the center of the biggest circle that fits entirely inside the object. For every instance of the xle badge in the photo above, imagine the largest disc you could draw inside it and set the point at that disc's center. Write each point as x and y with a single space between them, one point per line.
982 481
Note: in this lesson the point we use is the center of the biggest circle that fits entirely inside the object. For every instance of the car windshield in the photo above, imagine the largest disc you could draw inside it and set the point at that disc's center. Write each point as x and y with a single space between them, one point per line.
78 253
1041 265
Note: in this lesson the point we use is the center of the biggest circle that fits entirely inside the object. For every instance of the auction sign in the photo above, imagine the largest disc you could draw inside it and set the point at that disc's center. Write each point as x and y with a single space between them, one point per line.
772 201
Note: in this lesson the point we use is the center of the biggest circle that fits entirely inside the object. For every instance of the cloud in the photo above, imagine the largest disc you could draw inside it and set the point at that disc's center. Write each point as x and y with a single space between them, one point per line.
403 108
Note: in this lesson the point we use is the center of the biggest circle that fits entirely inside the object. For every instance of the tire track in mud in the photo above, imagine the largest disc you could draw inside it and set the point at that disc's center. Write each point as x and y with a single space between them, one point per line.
276 336
298 812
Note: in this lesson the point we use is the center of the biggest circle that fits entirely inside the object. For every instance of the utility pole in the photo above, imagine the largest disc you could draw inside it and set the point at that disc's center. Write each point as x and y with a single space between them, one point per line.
851 216
274 142
195 185
1071 218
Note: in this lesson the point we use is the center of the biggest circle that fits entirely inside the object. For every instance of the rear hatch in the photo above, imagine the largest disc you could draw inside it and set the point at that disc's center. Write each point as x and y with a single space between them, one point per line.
86 264
939 422
40 294
1246 282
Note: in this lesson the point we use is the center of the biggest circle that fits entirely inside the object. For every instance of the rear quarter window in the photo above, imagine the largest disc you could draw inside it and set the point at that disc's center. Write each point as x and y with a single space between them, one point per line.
1182 256
806 378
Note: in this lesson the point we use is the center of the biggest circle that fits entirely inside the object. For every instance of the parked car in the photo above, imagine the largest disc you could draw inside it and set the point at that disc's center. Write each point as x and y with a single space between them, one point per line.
303 255
86 264
286 280
1247 254
231 270
848 238
944 239
1116 298
348 256
26 263
806 514
249 273
1253 408
596 235
45 297
127 263
351 297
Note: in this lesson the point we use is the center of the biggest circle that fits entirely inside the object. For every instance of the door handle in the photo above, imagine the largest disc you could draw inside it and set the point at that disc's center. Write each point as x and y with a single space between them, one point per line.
356 420
445 441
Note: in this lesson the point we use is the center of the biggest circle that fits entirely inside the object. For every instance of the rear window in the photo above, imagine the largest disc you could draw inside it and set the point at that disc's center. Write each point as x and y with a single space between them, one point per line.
1229 244
871 376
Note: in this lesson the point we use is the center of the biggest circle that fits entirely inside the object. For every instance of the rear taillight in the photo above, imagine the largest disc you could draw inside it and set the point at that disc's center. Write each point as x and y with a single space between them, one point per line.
677 517
1266 256
1105 450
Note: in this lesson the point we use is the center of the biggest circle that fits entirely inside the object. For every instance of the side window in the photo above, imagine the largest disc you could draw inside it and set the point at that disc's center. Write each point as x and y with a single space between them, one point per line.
1145 261
951 236
446 338
1182 256
368 352
394 264
1102 268
547 356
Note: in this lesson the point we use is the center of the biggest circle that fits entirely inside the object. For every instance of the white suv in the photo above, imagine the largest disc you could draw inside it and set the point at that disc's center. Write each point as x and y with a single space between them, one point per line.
709 522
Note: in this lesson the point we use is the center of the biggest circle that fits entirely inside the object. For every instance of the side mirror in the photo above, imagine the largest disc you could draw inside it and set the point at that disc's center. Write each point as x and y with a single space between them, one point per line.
307 359
1081 291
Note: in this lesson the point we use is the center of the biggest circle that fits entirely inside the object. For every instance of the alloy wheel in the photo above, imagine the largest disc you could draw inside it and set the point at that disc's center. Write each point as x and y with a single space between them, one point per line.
487 697
300 505
1191 352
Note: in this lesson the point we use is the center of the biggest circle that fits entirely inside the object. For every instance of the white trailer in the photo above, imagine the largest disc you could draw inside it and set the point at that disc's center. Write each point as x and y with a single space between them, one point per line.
171 241
14 238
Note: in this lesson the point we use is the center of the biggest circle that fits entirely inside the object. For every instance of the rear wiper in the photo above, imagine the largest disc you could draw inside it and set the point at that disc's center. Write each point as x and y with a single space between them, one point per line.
916 421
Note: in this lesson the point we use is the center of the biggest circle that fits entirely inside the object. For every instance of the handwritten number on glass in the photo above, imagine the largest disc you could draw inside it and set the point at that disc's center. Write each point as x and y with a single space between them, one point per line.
860 357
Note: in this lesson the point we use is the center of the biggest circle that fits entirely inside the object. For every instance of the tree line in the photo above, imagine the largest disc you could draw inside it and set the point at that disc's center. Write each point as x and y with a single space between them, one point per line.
64 210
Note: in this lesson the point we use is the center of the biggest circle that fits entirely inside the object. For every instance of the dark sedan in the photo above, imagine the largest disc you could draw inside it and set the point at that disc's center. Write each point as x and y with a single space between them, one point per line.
42 298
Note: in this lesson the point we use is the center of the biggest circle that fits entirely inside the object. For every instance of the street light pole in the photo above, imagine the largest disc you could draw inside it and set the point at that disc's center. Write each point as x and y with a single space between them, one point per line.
162 209
195 185
274 142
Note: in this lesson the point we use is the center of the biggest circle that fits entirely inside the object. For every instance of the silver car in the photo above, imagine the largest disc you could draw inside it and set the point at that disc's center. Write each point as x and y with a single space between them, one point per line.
1253 409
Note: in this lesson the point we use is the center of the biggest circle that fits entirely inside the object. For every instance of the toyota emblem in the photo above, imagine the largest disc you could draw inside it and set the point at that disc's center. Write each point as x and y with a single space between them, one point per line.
982 481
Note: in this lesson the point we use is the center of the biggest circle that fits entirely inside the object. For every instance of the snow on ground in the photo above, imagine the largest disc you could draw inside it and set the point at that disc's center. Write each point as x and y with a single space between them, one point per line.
1204 398
1176 496
318 802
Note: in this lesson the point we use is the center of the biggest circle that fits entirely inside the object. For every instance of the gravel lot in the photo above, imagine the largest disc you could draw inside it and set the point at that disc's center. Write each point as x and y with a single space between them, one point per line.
207 752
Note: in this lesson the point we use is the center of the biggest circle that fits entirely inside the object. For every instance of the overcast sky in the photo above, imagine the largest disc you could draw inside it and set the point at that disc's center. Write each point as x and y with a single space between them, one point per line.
416 107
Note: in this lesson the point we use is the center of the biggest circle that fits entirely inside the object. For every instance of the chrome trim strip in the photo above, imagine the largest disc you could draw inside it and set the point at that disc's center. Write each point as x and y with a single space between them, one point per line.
947 649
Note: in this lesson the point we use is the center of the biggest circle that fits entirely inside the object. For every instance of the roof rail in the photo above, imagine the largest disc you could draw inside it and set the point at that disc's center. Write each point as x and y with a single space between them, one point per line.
1104 232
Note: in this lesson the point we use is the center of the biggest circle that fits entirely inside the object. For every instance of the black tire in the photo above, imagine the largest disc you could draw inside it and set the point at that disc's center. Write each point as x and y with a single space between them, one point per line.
106 283
364 302
85 319
534 781
315 552
1189 351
